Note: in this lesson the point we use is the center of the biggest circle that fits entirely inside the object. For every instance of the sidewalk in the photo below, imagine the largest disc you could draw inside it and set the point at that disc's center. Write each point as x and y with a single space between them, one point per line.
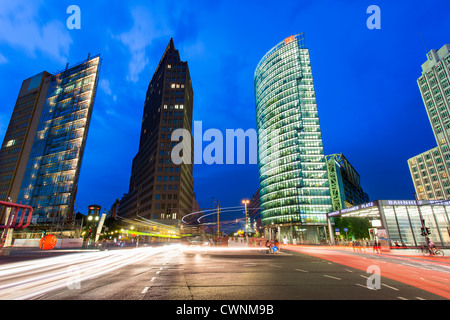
416 252
368 250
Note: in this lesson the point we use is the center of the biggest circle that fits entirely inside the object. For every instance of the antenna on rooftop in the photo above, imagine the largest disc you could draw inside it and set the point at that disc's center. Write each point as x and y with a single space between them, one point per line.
424 43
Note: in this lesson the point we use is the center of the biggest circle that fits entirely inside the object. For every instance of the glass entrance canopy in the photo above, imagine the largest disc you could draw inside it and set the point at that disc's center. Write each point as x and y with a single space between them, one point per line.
401 219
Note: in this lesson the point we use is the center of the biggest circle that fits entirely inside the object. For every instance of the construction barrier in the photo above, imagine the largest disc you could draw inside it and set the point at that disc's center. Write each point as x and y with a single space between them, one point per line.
61 243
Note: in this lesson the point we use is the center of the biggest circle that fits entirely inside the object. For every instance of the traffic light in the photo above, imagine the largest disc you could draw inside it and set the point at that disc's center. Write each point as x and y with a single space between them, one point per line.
44 233
425 231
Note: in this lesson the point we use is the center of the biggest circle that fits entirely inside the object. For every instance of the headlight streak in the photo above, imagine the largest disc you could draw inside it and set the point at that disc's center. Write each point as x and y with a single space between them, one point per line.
41 276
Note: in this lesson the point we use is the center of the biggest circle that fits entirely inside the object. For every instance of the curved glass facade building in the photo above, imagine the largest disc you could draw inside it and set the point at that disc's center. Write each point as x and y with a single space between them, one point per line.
294 189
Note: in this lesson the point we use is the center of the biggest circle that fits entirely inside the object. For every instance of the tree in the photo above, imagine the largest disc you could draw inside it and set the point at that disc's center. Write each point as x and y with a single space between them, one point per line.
357 227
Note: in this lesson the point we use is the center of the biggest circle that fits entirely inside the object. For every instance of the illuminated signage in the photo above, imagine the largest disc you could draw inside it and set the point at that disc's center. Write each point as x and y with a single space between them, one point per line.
401 202
367 205
355 208
376 223
289 40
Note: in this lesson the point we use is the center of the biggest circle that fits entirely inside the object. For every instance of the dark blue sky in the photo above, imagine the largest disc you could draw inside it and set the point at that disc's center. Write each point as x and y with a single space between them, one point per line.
369 104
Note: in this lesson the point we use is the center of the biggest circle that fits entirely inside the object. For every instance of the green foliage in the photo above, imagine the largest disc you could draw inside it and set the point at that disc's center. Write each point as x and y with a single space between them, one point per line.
357 227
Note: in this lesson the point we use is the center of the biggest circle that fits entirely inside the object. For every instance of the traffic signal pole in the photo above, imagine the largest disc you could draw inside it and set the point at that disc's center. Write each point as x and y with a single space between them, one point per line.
424 230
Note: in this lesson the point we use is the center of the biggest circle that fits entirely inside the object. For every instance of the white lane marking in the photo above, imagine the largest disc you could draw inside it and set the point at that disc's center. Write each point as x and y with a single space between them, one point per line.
358 284
389 287
153 279
158 272
419 298
145 290
401 298
272 265
348 270
325 275
301 270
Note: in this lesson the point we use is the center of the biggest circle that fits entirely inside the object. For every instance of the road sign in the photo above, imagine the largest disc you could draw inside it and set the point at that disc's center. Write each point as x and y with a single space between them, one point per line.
345 229
337 229
274 248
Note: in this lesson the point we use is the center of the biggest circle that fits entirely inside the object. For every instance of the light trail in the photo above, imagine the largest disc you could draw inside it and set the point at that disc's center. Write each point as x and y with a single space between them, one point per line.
213 211
28 279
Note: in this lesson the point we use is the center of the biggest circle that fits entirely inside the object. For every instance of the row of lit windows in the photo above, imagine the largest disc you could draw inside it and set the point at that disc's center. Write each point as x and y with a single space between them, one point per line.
167 187
163 206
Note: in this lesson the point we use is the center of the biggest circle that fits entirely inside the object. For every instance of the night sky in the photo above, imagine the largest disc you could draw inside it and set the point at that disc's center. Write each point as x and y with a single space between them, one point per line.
369 103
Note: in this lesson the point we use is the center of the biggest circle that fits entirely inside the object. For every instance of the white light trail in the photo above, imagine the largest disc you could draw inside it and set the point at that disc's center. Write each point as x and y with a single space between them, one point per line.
28 279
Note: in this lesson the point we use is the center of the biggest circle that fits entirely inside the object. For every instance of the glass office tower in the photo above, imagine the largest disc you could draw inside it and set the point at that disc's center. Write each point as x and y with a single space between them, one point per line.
50 181
19 136
294 189
345 183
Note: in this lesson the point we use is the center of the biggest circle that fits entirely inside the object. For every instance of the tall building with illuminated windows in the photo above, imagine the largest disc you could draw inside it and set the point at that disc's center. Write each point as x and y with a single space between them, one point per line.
50 178
430 170
294 189
345 183
19 136
159 189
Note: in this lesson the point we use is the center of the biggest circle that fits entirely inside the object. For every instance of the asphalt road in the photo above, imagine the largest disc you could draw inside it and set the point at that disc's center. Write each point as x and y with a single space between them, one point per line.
180 273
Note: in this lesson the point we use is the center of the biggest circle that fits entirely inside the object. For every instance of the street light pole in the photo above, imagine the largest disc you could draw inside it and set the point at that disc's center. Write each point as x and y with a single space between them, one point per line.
422 221
218 218
245 202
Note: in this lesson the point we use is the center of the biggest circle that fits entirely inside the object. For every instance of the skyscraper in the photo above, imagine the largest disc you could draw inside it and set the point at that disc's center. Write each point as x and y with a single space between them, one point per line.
294 189
345 183
430 170
160 189
20 134
53 166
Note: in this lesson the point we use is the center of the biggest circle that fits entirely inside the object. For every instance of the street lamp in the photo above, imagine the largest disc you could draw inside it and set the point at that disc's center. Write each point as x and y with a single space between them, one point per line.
245 202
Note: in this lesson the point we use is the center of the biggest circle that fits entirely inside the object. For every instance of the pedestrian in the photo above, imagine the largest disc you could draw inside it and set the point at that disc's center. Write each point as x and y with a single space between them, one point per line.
375 246
268 246
379 246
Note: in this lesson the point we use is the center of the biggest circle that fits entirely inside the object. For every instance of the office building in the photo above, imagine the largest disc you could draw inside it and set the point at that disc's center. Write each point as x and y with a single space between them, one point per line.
429 175
345 183
159 189
430 170
294 188
19 136
49 167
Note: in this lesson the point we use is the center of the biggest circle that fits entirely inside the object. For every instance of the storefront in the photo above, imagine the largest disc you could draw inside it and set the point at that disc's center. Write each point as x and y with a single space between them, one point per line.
401 219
